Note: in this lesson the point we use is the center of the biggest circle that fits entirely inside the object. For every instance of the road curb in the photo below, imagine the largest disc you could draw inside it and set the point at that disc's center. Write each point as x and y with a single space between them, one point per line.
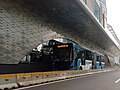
27 79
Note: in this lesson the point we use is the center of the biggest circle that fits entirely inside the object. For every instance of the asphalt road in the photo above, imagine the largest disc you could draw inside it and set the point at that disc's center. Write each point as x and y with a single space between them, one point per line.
102 81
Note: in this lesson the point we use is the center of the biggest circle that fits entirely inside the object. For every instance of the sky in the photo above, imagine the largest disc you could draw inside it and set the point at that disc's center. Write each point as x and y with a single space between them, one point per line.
113 15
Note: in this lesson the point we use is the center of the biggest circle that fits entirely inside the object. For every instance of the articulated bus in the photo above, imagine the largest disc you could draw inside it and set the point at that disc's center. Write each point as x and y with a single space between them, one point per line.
55 56
62 56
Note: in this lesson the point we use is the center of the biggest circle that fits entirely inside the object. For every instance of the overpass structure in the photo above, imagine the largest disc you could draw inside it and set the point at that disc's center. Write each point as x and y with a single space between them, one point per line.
113 34
24 24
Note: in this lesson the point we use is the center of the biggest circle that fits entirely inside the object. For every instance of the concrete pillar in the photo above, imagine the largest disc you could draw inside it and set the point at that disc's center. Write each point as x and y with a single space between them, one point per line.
94 60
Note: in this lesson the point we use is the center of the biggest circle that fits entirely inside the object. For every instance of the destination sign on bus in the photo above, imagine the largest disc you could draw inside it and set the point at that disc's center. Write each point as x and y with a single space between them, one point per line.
62 46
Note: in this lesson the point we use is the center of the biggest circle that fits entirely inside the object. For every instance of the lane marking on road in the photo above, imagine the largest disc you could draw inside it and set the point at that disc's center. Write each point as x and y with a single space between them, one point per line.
117 81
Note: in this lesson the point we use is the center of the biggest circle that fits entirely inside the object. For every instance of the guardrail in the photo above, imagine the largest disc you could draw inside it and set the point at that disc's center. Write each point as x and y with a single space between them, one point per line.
8 81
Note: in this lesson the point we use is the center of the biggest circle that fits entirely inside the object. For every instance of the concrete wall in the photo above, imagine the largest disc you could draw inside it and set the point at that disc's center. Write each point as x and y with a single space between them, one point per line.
20 31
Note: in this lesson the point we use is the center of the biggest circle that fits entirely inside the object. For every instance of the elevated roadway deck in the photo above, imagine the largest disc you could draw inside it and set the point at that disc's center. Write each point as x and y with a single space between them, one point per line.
27 23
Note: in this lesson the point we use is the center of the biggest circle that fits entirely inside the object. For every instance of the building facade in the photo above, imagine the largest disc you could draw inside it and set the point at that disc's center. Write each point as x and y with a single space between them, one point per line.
99 9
